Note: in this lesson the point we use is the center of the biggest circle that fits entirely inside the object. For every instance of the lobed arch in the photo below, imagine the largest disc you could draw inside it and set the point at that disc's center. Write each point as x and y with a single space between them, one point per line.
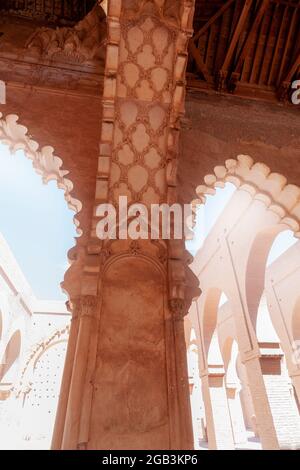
44 161
258 180
281 198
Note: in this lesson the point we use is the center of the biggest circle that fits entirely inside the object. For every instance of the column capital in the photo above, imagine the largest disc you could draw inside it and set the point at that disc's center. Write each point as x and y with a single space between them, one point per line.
178 308
84 305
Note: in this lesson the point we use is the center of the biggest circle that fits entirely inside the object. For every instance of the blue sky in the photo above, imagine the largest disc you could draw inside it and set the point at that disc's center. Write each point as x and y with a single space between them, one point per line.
39 228
36 223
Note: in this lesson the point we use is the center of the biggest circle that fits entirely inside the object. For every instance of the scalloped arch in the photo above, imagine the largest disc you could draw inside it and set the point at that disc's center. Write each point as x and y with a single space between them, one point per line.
43 159
258 180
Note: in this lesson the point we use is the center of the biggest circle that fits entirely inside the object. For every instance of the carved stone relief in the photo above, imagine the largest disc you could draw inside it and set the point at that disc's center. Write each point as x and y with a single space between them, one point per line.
80 44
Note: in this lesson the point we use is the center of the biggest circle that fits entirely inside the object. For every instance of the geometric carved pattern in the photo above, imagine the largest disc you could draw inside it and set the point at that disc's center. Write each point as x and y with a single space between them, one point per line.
145 88
143 103
143 100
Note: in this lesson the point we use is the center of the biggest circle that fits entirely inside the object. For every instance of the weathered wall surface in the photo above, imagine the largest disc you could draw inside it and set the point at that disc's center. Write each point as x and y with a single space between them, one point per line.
131 372
221 127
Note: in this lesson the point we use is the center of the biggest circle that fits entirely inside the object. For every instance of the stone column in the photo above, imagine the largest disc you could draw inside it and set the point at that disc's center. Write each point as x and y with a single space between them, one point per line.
179 392
236 414
75 410
66 380
295 377
250 357
129 385
218 423
260 400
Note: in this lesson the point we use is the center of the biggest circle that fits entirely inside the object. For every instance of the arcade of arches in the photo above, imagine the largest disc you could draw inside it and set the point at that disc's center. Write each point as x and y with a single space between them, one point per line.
162 101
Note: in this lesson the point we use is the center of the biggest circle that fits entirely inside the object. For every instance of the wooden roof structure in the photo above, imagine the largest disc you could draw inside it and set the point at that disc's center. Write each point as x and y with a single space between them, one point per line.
247 47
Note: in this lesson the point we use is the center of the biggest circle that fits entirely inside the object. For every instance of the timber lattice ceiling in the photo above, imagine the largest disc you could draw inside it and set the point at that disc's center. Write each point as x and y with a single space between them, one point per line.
249 47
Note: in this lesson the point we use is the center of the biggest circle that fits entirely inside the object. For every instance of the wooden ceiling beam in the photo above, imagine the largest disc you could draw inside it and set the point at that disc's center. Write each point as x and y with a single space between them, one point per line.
213 19
287 46
286 83
199 62
235 75
283 90
277 47
293 69
233 43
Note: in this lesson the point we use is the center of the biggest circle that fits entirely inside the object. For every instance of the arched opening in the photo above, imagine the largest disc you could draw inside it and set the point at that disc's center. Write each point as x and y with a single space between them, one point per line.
37 230
207 215
217 424
247 252
268 245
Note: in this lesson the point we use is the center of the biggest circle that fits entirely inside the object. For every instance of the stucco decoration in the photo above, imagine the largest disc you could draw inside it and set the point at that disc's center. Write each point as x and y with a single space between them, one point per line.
258 180
46 164
24 386
81 44
170 11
